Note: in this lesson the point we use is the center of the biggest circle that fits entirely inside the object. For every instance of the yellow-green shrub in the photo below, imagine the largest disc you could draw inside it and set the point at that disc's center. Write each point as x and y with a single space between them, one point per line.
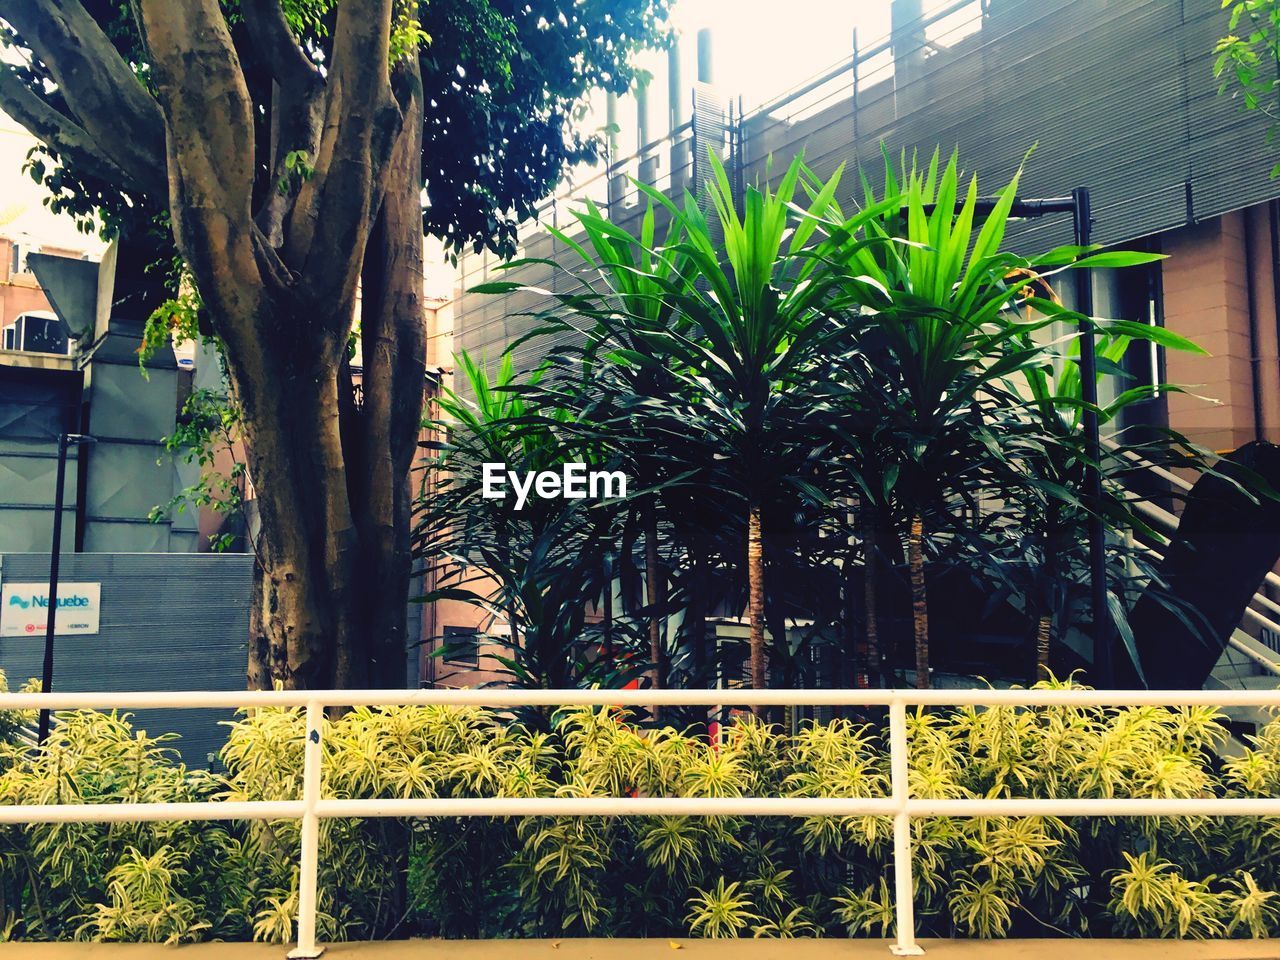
709 876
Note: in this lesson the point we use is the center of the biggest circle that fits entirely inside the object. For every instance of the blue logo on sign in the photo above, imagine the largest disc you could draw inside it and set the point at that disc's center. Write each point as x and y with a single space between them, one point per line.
17 601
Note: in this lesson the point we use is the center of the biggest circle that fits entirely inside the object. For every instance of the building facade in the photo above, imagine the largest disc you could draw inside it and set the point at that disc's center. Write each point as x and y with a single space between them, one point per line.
1117 96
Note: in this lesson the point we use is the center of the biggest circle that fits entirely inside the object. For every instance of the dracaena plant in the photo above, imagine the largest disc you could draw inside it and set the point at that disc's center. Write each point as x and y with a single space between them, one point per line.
536 566
948 372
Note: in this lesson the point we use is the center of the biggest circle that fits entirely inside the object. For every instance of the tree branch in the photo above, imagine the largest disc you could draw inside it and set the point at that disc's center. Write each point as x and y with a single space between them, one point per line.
296 106
209 117
334 212
102 93
64 135
281 53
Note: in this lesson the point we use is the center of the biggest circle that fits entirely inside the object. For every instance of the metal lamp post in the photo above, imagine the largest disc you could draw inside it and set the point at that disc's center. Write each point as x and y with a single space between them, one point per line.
65 440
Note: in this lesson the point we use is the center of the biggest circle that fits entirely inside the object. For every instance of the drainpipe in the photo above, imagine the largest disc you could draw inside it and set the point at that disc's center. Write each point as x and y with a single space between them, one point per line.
679 149
1255 359
1274 227
906 18
617 187
704 56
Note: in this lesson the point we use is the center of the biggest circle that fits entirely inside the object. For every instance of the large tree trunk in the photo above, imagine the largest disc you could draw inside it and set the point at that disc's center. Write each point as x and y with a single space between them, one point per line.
281 287
919 600
286 209
755 600
309 546
393 341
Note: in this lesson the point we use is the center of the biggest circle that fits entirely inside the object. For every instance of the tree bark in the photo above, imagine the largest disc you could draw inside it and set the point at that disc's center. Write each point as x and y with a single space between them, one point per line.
919 600
755 601
393 340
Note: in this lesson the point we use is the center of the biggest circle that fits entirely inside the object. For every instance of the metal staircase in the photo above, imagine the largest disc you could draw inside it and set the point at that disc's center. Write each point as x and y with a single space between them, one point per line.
1247 663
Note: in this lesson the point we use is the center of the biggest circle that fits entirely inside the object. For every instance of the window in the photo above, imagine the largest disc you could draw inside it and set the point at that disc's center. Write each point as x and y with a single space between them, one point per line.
36 333
462 645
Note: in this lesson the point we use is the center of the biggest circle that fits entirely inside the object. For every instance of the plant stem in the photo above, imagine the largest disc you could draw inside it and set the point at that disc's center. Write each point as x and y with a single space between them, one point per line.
656 595
755 602
919 600
1044 636
870 608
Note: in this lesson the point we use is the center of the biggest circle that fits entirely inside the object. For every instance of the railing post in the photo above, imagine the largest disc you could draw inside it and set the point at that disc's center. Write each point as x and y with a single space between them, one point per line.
904 894
308 866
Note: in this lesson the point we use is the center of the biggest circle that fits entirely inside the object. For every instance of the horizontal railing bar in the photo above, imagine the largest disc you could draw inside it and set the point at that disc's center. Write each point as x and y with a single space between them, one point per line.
502 697
1265 662
643 807
1098 807
151 812
610 807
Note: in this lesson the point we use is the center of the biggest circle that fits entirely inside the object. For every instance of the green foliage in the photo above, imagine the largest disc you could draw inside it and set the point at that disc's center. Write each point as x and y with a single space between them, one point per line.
207 434
653 876
1245 60
297 170
853 378
533 568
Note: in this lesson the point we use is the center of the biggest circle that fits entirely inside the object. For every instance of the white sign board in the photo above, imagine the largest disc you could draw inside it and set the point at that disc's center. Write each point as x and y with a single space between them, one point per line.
24 609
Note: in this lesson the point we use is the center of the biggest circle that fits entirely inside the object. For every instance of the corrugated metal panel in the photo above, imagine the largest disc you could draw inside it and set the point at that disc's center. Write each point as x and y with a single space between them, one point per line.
1115 95
169 622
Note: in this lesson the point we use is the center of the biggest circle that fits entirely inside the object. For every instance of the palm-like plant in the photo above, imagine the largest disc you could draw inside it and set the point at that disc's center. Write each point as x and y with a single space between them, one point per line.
537 567
955 363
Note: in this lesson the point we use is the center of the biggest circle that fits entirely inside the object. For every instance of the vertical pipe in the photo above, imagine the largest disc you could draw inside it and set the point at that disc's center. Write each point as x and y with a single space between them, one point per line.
613 181
675 117
705 74
642 114
308 866
51 618
648 171
1273 231
1251 297
675 89
904 903
857 55
1102 627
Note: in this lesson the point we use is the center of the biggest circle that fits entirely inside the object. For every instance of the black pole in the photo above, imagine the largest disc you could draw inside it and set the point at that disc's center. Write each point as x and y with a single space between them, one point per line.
46 680
1104 676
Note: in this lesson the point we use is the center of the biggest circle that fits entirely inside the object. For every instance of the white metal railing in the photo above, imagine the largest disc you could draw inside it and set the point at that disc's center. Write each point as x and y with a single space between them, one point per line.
899 805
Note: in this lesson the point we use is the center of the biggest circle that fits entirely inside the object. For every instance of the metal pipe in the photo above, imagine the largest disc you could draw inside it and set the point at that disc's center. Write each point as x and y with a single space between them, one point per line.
51 617
611 807
150 812
705 72
1082 221
1251 307
737 697
1266 663
308 860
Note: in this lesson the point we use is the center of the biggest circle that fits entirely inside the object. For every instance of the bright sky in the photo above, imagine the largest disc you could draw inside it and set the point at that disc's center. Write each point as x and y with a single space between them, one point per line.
761 48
